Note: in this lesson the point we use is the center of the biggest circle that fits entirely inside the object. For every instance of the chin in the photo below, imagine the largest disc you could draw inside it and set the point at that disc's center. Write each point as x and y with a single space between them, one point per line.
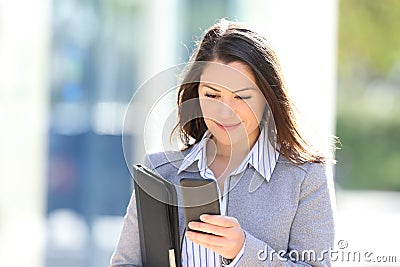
225 139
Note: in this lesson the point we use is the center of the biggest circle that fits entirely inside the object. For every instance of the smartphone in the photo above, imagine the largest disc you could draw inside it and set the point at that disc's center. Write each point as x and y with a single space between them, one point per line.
199 196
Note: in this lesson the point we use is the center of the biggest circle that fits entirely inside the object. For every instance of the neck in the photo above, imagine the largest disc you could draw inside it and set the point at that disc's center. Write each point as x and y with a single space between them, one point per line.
230 151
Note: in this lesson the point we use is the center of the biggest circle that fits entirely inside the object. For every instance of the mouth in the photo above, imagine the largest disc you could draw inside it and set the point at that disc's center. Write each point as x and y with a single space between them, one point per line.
230 126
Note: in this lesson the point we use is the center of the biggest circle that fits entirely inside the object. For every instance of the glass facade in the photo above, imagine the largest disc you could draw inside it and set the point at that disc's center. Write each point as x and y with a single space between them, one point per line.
93 76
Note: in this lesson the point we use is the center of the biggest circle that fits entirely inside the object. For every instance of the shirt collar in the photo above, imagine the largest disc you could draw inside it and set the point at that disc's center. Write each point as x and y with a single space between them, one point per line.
263 156
197 153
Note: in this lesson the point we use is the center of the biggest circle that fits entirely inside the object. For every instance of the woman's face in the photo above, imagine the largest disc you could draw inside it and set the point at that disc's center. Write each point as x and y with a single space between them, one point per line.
231 103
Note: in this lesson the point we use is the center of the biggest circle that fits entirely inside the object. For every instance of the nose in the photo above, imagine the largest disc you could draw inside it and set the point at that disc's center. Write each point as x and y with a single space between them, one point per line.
225 110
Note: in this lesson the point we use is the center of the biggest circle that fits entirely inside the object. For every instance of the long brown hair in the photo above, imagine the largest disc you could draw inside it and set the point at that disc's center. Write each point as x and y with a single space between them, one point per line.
227 42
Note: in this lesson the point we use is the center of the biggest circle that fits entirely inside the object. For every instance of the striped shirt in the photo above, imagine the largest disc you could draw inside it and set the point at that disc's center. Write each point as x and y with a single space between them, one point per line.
262 157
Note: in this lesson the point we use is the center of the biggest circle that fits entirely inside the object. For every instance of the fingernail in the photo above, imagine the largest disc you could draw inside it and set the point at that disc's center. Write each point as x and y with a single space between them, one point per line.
189 234
203 217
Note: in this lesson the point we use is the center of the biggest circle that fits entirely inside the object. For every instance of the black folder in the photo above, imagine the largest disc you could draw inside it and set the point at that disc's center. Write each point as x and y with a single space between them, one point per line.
156 203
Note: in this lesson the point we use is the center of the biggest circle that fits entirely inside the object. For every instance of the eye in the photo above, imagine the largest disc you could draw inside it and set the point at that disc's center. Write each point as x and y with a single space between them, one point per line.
210 95
242 97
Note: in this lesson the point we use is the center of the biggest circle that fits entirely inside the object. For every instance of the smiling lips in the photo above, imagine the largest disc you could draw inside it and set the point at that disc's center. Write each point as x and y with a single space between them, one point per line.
228 126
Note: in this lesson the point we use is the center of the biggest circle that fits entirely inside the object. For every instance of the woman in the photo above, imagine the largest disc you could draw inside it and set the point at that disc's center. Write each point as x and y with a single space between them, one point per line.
237 124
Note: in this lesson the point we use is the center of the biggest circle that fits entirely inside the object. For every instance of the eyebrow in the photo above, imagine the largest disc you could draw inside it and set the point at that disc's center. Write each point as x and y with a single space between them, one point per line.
217 90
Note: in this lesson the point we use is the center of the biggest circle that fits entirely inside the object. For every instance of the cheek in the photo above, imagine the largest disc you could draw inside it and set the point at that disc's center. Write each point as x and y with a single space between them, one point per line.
211 126
207 108
252 113
259 112
259 107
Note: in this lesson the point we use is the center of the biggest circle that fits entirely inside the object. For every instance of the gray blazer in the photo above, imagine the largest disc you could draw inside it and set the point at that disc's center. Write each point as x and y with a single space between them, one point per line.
291 212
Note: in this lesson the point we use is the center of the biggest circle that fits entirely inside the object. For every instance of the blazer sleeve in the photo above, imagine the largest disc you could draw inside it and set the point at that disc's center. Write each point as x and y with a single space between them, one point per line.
312 232
127 252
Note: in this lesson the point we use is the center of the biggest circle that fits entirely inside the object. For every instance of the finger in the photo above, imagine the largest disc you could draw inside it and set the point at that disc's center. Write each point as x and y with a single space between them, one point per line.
208 228
219 220
206 239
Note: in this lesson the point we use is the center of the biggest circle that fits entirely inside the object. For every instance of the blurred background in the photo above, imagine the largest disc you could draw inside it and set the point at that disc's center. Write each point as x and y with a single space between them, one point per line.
69 68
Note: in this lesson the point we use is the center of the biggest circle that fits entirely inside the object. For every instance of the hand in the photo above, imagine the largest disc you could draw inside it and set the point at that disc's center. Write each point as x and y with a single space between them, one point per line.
228 238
